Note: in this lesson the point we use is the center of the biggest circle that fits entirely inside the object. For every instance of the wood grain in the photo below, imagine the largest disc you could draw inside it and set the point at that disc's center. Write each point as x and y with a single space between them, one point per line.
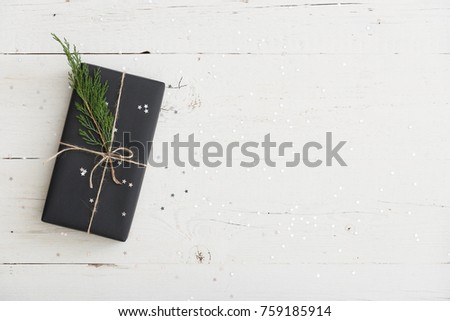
373 73
229 282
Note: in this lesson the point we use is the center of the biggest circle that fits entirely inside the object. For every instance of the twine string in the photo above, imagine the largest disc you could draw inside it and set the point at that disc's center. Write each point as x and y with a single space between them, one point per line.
114 155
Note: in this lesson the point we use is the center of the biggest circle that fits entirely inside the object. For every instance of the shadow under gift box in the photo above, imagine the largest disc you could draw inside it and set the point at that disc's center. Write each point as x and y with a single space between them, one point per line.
70 200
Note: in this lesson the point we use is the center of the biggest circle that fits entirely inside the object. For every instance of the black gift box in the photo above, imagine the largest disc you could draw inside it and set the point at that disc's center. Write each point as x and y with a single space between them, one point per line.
70 199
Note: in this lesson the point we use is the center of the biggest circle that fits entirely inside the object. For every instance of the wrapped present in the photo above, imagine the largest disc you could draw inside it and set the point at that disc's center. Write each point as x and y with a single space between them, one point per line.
96 180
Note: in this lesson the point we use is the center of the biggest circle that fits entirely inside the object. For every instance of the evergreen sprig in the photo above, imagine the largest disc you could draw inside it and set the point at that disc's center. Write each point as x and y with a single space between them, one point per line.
95 116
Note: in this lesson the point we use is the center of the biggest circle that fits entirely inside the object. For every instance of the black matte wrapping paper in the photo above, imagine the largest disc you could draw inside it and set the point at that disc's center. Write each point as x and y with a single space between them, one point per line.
70 200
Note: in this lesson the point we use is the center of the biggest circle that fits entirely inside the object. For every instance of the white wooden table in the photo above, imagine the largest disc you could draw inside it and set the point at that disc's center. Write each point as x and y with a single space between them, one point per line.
375 73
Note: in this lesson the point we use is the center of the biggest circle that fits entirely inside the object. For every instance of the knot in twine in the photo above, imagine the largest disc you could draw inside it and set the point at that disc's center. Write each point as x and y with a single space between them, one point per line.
122 154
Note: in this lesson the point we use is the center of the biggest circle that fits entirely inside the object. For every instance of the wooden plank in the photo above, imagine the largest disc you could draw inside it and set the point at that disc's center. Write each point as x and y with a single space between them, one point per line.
219 218
374 102
263 27
229 282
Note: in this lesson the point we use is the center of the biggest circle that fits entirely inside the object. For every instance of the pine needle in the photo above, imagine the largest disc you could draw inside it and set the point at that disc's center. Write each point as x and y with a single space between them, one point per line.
95 116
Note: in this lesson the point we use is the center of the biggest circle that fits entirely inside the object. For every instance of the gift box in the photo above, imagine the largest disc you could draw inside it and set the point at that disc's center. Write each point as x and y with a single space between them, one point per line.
94 190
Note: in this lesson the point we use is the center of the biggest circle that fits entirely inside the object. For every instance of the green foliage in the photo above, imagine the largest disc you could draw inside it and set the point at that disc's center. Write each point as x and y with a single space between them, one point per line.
95 117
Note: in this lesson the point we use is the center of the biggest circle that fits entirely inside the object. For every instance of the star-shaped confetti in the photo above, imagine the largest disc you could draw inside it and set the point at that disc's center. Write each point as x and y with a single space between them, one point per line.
124 181
139 107
124 214
115 129
145 106
91 200
146 111
130 185
83 171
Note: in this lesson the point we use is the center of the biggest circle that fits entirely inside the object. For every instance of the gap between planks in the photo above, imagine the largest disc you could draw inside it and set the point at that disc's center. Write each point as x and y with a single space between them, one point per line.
230 53
217 264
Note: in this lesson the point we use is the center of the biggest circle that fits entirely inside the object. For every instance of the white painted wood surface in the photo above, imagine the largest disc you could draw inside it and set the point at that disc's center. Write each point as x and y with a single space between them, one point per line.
375 73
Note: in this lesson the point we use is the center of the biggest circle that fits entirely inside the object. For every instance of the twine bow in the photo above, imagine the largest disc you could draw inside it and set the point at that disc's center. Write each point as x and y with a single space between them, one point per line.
108 157
122 154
